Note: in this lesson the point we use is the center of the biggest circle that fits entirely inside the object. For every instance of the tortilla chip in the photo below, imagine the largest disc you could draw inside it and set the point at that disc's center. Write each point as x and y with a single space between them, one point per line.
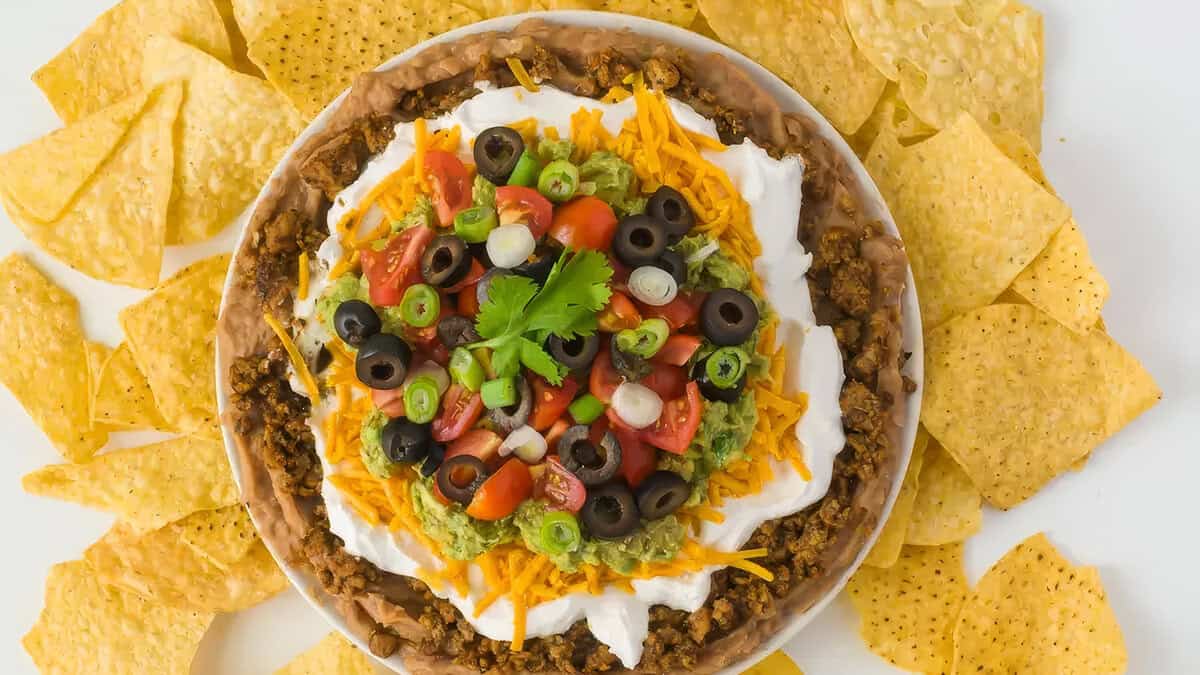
891 538
234 129
146 487
990 65
970 218
162 567
284 47
333 654
678 12
1035 612
104 64
824 66
221 536
45 362
1016 148
1017 398
948 507
892 116
1064 282
908 612
178 363
123 399
97 354
42 178
88 627
113 231
778 663
237 40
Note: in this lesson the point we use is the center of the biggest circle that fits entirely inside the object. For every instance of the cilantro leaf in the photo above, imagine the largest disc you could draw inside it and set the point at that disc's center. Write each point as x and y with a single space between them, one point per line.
504 310
506 359
568 303
536 359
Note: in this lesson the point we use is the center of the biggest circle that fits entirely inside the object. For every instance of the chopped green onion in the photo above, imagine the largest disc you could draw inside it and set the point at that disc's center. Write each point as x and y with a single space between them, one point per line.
646 339
465 369
726 366
558 181
421 400
586 409
526 171
420 306
474 224
559 533
499 393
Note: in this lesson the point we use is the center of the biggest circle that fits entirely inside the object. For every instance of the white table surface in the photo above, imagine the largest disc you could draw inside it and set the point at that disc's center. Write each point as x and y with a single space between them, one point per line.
1122 142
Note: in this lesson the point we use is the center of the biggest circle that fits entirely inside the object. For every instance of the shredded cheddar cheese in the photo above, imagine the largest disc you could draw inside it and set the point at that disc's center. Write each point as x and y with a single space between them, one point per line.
522 75
302 273
297 359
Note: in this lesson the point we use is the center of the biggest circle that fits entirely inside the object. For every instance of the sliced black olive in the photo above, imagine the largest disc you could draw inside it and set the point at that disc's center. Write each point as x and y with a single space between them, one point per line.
382 362
728 317
446 261
323 360
511 418
485 283
541 262
674 264
456 331
630 366
661 494
610 511
593 464
577 355
355 321
639 240
479 252
496 153
460 477
670 208
433 460
405 441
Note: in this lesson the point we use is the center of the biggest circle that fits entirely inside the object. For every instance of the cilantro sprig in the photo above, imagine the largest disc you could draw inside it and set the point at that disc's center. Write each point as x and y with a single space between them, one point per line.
518 317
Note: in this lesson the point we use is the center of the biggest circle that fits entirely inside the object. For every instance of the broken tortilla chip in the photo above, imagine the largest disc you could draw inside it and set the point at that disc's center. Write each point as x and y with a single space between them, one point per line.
971 219
1035 612
123 399
333 654
678 12
987 61
908 611
825 67
887 547
1016 148
233 129
97 354
146 487
237 39
89 627
891 116
284 46
778 663
221 536
494 8
104 64
1017 398
1064 282
178 363
42 348
948 507
113 230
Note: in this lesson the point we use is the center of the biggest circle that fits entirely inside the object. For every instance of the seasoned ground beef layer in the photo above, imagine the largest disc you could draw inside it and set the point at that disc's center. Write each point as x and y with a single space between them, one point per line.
856 282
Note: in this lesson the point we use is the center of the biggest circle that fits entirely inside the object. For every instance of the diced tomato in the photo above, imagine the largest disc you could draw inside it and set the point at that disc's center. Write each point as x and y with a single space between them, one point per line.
604 379
615 422
560 487
391 270
638 460
482 444
451 184
678 350
389 401
460 411
425 339
667 381
473 276
516 203
550 402
681 312
620 314
556 431
620 277
584 222
677 426
468 301
502 492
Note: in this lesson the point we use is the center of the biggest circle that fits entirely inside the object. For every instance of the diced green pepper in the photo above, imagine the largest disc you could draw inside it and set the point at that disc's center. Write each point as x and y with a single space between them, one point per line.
526 171
586 409
421 400
465 369
474 224
499 393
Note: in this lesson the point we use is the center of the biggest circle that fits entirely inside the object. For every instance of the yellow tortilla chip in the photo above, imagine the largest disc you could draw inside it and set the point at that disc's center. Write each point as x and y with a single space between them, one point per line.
104 64
990 65
146 487
891 116
221 536
172 335
778 663
678 12
97 354
1035 612
1064 282
45 362
253 15
948 507
907 612
1016 148
1017 398
161 567
113 231
88 627
970 218
123 399
42 178
887 548
333 654
233 130
823 65
237 40
285 47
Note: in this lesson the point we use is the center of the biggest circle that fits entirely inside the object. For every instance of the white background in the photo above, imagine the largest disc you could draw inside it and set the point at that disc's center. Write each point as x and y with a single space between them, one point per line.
1122 143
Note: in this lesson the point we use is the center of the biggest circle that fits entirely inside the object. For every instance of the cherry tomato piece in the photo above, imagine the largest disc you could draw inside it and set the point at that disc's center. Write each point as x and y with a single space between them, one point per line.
620 314
460 411
638 460
473 276
677 426
451 183
560 487
678 350
502 492
668 381
550 402
389 401
604 379
516 203
391 270
584 222
468 301
681 312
